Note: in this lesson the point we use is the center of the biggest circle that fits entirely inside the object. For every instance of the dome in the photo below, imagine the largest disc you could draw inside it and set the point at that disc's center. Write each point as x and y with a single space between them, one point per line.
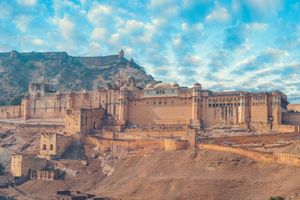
162 85
197 85
58 92
84 91
150 85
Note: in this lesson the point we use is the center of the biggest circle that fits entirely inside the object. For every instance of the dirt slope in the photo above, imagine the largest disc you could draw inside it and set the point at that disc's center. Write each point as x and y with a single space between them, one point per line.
180 175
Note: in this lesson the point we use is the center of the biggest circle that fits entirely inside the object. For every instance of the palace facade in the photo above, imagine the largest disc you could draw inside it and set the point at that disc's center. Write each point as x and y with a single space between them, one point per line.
156 104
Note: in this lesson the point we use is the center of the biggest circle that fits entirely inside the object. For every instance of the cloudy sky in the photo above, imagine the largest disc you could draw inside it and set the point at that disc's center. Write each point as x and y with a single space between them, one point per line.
224 45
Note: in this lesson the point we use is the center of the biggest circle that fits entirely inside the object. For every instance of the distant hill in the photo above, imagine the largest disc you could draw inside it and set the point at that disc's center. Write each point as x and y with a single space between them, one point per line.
65 72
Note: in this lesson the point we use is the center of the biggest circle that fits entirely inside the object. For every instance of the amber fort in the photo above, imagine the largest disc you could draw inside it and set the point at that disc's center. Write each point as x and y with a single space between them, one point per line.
127 119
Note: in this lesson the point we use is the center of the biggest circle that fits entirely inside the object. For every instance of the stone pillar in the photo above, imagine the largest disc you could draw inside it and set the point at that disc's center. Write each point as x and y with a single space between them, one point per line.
26 107
123 105
276 109
196 105
70 102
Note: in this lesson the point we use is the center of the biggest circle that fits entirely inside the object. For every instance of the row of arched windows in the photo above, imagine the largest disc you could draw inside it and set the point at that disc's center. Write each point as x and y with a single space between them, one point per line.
45 147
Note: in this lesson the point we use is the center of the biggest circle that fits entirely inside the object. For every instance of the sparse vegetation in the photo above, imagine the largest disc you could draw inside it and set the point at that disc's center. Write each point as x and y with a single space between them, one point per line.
277 198
66 72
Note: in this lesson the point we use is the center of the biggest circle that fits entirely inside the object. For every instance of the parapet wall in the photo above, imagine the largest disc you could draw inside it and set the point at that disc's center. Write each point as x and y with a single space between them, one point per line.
286 128
10 112
157 133
132 146
281 158
291 118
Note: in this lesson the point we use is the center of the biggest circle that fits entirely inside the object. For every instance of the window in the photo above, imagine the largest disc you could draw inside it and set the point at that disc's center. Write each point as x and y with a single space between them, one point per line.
51 147
44 147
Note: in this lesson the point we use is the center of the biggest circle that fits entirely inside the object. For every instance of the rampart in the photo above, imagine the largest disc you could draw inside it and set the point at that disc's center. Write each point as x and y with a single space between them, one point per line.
10 112
136 146
281 158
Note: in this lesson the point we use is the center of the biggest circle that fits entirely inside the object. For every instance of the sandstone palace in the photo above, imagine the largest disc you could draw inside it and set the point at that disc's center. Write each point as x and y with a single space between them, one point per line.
156 104
127 119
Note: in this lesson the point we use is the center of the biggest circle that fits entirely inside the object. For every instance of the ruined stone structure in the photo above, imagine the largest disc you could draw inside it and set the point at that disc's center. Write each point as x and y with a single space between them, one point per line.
45 175
53 145
23 164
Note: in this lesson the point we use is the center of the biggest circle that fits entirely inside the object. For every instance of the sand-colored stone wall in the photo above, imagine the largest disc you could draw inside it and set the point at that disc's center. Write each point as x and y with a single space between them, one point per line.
46 175
157 133
10 112
285 128
291 118
22 164
159 110
282 158
83 120
294 107
127 146
53 145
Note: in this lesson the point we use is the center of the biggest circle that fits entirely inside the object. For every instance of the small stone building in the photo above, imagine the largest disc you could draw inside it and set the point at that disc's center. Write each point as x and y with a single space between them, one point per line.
53 145
83 120
23 164
45 175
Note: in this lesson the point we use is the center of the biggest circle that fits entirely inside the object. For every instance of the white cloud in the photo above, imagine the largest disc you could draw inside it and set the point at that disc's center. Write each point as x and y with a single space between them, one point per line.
218 15
265 6
115 39
158 3
133 25
97 14
257 26
5 10
38 42
66 27
27 2
99 33
177 41
22 22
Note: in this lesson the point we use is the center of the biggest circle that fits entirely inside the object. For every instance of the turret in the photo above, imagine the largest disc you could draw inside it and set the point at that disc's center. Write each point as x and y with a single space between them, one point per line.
121 54
123 105
196 105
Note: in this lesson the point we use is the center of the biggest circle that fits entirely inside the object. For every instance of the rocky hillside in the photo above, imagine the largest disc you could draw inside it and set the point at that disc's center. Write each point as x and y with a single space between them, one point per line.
65 72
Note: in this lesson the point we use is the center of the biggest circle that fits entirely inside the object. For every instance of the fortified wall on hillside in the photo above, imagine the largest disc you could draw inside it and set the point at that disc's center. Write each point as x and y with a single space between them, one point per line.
156 104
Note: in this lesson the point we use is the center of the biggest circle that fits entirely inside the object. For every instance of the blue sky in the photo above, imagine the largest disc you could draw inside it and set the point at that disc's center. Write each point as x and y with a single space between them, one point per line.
224 45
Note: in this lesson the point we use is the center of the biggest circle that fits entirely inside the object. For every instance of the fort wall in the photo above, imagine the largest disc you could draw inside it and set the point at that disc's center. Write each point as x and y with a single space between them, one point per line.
53 145
129 146
10 112
160 111
281 158
294 107
22 165
291 118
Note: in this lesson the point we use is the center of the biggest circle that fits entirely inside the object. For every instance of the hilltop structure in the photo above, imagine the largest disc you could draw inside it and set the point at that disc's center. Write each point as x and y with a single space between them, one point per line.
125 118
156 104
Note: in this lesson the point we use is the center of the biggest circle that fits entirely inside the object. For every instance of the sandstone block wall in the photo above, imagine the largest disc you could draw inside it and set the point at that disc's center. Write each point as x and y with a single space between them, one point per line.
53 145
10 112
128 146
281 158
291 118
294 107
22 164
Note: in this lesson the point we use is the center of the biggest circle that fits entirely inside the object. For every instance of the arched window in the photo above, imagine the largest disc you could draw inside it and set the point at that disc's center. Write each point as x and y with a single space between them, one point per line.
44 147
51 146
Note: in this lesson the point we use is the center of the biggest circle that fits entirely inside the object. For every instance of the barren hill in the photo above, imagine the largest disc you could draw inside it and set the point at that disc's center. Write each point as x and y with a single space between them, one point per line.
64 71
184 174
